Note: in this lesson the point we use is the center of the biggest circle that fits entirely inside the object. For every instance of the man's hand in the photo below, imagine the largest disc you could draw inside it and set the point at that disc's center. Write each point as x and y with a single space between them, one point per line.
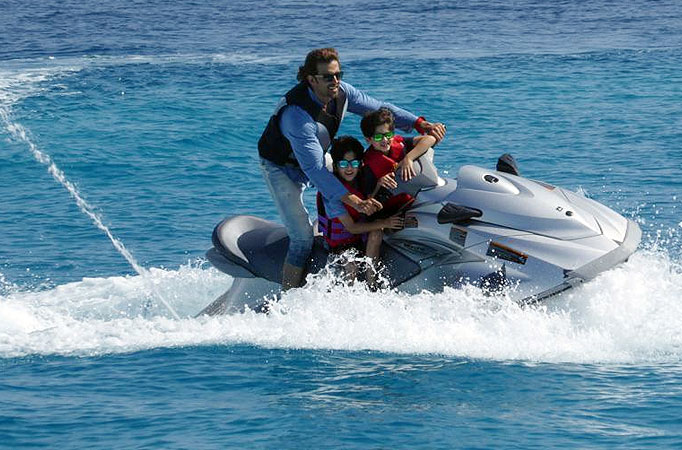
368 207
436 130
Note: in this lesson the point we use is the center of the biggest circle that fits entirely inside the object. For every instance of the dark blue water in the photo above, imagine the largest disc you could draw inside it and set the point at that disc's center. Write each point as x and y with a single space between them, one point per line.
153 110
333 399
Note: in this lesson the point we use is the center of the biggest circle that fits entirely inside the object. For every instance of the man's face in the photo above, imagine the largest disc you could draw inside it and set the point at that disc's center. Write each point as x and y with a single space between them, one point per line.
324 88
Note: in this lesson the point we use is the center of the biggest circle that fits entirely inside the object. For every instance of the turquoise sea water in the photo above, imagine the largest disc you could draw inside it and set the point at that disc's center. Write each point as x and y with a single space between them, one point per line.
148 114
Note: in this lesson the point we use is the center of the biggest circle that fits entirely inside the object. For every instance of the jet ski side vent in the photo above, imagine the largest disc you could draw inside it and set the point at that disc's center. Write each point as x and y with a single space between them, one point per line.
451 213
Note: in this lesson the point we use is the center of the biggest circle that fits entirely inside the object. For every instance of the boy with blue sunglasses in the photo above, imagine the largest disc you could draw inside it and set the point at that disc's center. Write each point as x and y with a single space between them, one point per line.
350 230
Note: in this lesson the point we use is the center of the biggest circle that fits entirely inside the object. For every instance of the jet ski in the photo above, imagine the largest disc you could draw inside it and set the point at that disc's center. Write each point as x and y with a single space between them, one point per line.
493 229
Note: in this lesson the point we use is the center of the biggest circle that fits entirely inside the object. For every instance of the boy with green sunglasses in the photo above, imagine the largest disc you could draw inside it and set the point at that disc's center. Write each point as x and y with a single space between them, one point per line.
387 154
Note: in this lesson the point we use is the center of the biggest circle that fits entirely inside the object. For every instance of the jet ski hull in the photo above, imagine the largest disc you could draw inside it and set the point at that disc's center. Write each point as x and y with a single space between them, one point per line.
494 230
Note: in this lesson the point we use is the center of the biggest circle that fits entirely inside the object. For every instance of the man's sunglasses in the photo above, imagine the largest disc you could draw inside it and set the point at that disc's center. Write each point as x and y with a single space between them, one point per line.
329 77
344 163
380 136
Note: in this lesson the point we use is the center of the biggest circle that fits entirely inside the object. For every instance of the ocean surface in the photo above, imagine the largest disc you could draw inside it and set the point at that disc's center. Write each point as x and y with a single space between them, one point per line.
128 130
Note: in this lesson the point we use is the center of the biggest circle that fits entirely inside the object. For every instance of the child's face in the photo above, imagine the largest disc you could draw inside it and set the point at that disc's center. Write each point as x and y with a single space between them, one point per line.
349 172
384 145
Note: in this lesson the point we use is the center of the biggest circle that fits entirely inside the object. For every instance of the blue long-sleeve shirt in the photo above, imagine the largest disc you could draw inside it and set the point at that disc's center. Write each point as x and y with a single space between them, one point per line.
301 130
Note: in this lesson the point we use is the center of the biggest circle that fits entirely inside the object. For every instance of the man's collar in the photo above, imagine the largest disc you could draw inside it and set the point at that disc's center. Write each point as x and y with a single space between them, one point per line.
314 97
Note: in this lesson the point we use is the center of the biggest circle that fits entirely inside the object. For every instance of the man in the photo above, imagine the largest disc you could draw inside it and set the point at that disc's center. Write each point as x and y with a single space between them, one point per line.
294 142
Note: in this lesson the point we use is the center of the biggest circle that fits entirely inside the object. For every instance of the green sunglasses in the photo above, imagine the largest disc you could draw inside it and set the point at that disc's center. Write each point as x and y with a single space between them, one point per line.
380 136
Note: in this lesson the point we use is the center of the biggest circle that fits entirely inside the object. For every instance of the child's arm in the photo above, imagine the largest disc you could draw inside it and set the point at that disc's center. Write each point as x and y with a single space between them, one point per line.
422 144
387 182
370 185
394 222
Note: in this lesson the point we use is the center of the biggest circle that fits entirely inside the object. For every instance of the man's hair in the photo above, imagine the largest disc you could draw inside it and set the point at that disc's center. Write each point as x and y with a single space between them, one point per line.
319 55
345 144
373 119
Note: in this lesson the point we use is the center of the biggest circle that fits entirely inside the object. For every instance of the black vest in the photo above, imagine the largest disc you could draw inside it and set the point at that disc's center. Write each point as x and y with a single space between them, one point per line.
275 147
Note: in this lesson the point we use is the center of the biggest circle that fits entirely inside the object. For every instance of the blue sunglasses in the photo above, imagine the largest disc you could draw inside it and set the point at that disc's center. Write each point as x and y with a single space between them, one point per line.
344 163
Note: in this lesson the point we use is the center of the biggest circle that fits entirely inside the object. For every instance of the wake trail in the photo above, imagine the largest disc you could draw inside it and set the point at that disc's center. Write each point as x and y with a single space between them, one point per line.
20 133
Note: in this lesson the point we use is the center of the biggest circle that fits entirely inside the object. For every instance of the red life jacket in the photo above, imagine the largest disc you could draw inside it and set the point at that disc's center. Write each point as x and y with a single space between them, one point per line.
333 230
382 165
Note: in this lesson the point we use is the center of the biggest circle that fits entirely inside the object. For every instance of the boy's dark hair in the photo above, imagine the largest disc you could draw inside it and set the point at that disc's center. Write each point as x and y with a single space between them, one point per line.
345 144
373 119
319 55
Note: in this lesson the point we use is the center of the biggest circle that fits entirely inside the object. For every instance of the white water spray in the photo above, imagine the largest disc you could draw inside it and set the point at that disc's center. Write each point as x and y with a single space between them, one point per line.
630 315
19 132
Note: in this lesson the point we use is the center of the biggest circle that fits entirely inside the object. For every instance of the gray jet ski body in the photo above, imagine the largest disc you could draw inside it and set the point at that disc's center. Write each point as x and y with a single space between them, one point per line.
491 229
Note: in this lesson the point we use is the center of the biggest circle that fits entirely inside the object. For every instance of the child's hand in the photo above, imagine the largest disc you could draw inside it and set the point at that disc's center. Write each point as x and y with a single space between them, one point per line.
388 181
406 170
410 222
396 222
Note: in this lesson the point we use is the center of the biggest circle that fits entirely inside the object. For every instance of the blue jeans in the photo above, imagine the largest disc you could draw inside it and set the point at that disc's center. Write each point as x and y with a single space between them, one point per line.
286 186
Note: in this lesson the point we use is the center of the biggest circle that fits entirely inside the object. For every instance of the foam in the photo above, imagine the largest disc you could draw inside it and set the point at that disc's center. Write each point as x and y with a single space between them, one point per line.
631 314
22 78
19 81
